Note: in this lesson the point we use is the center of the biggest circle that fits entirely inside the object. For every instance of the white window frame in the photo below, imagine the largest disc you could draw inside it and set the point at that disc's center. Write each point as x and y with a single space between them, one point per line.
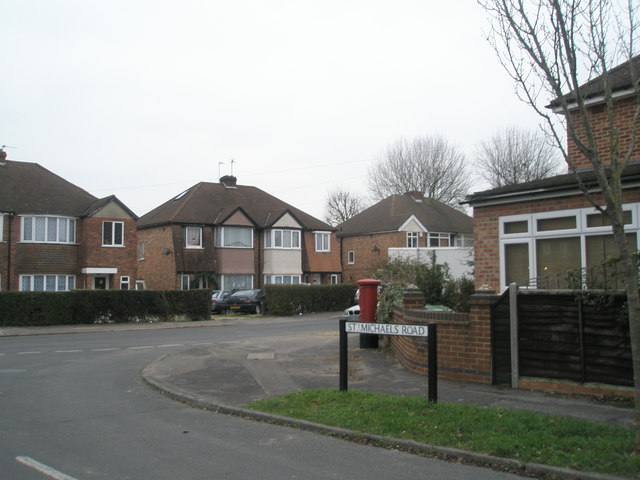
220 237
113 224
323 240
125 281
351 257
463 240
28 229
334 279
141 285
280 279
2 216
582 231
439 236
185 282
413 240
193 237
141 251
275 238
225 281
60 283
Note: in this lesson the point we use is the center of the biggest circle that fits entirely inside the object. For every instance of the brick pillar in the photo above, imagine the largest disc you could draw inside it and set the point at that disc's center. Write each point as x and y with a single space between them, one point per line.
480 304
413 299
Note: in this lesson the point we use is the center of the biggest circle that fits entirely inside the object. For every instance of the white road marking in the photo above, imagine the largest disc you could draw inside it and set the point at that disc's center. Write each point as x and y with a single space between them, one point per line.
105 349
68 351
171 345
44 469
141 347
28 353
200 344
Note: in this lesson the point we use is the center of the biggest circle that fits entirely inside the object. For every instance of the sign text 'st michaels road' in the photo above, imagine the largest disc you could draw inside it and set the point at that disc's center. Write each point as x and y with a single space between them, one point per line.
387 329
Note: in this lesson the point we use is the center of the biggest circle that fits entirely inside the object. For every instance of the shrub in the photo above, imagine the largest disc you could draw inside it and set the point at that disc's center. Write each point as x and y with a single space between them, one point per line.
100 306
297 299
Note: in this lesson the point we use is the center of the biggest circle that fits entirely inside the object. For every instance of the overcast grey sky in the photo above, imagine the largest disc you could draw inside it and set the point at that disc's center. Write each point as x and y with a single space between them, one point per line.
144 98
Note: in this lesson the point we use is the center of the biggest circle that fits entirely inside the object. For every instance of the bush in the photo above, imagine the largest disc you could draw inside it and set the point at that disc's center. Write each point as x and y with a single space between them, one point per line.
433 279
101 306
298 299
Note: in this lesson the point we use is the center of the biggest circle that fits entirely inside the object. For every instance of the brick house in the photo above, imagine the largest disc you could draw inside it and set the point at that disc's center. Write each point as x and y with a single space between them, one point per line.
406 226
54 236
229 236
533 233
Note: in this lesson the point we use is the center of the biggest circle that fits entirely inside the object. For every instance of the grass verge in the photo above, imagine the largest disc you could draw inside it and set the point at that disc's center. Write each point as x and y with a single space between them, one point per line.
522 436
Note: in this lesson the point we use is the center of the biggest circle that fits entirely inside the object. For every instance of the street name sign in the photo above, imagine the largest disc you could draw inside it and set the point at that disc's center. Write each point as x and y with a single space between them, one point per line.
387 329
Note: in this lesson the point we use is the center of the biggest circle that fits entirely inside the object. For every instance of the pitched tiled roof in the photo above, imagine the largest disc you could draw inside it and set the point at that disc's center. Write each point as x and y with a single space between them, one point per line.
100 203
212 203
621 79
554 185
32 189
391 213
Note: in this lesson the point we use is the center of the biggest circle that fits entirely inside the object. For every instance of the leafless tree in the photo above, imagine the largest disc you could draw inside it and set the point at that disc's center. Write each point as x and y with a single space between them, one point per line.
427 164
553 47
515 156
342 205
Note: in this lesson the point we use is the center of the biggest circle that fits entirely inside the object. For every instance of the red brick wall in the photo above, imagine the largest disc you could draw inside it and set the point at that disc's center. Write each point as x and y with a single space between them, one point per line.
93 254
486 242
368 260
623 114
4 252
463 340
156 269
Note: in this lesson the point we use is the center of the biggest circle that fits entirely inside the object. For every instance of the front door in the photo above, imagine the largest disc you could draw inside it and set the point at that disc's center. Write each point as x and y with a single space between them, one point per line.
99 283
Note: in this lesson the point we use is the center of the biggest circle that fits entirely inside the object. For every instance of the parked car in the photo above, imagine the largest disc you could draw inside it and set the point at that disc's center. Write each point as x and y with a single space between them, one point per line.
251 301
217 299
352 311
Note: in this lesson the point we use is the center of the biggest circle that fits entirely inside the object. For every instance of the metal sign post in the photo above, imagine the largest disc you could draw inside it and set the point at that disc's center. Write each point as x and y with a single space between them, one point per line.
429 331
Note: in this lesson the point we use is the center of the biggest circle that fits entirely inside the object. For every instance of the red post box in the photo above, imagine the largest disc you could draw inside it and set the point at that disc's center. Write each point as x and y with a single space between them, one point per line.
368 302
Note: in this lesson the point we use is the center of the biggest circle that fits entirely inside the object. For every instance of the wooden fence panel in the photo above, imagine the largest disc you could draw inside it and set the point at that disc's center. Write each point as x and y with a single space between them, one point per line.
566 336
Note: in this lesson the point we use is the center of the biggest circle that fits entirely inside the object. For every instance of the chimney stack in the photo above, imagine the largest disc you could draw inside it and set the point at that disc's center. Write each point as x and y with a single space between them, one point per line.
229 181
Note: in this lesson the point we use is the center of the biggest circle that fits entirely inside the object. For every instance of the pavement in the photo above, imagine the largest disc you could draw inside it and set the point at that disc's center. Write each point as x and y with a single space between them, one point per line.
227 376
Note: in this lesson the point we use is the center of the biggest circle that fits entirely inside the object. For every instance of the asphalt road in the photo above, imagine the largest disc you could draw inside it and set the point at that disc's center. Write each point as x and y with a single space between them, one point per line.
74 407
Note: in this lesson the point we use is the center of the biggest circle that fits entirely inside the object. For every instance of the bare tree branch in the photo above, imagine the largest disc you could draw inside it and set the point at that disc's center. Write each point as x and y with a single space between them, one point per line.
514 156
342 205
428 165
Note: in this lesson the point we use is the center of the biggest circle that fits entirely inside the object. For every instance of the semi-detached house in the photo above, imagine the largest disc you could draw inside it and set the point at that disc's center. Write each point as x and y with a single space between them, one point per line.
55 236
229 236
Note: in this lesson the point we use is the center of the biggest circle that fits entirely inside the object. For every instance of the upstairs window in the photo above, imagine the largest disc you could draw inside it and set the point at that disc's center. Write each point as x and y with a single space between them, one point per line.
351 257
322 240
282 239
112 234
234 237
48 229
193 237
412 239
439 239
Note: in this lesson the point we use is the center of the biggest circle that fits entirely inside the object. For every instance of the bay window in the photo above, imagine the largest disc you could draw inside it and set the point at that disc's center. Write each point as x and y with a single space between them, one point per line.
48 229
278 238
234 237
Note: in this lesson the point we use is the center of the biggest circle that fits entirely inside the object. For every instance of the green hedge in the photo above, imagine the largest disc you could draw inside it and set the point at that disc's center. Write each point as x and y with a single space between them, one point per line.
101 306
296 299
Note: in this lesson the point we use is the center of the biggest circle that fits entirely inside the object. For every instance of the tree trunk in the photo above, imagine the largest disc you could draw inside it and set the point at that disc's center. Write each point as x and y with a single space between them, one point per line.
629 271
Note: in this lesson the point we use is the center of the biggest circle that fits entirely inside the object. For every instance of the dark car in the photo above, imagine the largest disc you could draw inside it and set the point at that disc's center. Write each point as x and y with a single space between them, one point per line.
217 300
252 301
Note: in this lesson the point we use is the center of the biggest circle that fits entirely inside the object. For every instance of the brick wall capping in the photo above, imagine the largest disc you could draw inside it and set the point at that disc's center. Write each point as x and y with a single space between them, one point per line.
484 297
422 316
534 292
